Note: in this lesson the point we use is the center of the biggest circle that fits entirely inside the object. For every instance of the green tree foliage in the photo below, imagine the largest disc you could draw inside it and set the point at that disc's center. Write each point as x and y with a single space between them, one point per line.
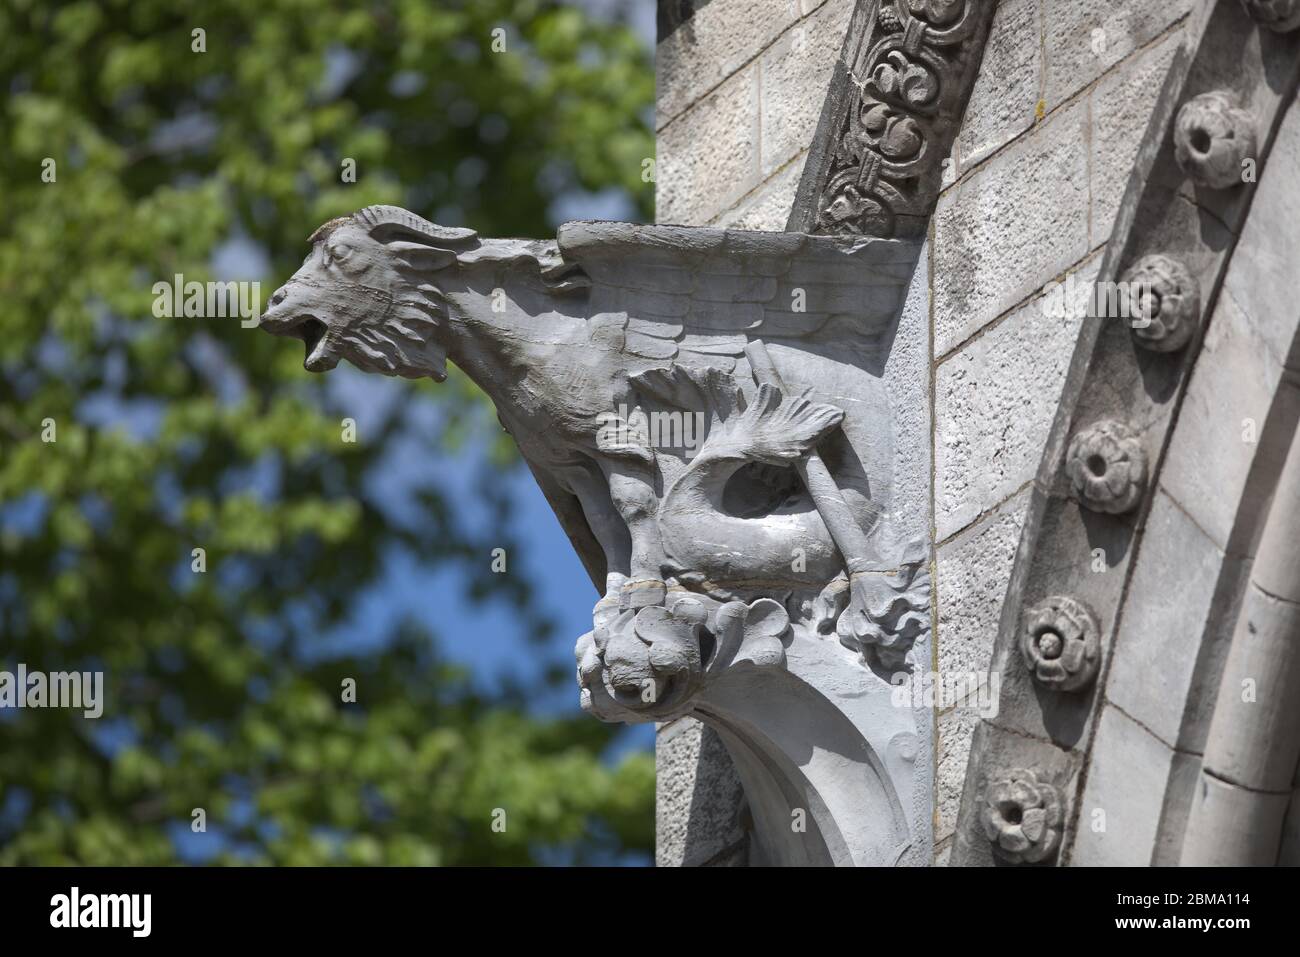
216 437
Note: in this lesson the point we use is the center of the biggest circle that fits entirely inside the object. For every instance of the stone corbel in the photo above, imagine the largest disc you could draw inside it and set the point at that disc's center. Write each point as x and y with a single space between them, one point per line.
714 415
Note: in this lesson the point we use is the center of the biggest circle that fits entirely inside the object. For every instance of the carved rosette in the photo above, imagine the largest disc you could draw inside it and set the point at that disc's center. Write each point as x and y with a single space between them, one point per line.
1281 16
1060 644
1022 817
648 664
889 133
1107 467
1166 309
1213 137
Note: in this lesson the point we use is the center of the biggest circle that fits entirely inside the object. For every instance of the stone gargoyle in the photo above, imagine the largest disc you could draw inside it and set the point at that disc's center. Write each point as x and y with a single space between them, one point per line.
703 409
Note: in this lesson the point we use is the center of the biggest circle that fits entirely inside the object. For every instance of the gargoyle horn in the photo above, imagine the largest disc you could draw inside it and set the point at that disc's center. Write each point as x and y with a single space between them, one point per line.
375 218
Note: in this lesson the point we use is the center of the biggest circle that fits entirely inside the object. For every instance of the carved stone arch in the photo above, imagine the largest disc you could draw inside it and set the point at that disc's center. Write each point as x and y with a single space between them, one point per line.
1172 457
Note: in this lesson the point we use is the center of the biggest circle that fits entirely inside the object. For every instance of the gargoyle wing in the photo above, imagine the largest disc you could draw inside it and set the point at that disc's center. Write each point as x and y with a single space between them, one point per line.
697 296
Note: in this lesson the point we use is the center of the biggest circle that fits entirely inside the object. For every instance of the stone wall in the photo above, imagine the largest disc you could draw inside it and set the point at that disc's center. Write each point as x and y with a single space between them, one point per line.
1040 166
1037 173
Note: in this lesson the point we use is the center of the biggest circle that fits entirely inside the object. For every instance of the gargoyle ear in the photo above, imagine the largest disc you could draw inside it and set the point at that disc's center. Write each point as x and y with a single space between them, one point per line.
422 257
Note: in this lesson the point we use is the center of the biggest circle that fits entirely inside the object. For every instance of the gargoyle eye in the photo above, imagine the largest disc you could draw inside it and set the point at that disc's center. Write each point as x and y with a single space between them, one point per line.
337 252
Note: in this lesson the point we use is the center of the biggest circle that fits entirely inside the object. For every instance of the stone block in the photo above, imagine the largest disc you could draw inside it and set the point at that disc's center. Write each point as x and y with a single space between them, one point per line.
708 157
698 797
1120 809
1011 226
1007 90
795 74
1121 107
995 401
1263 265
768 206
1083 40
955 730
719 39
973 572
1221 425
1155 655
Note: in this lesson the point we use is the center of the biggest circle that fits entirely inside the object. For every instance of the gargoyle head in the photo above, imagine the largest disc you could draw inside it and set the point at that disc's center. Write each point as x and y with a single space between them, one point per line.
364 294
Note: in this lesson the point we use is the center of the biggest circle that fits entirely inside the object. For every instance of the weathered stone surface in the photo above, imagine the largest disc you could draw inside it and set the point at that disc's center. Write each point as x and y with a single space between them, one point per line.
1228 401
1084 40
769 204
973 571
795 71
1120 808
1121 106
1007 90
955 730
1247 826
718 40
1180 599
1002 232
1155 654
709 157
994 403
1262 275
943 856
699 800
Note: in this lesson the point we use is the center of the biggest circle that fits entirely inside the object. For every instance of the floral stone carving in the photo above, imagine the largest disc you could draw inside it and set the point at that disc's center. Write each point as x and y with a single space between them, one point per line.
1213 138
706 412
1060 643
1022 817
1107 467
895 127
1167 307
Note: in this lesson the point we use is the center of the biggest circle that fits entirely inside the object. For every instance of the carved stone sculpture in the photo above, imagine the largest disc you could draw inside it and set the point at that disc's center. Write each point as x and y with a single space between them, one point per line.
1167 310
709 414
889 121
1213 138
1022 817
1060 644
1107 467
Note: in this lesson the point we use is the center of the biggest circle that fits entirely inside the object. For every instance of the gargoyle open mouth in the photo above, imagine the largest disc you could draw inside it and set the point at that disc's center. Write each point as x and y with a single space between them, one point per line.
312 332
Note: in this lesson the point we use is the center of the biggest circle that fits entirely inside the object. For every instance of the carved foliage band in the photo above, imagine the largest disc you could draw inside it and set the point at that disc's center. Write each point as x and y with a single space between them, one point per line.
897 127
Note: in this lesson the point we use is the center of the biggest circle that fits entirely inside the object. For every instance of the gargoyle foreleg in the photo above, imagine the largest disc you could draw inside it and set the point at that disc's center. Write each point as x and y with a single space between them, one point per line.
588 484
631 486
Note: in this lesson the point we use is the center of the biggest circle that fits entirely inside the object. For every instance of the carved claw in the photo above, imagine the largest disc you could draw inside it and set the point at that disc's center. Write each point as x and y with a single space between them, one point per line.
886 613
